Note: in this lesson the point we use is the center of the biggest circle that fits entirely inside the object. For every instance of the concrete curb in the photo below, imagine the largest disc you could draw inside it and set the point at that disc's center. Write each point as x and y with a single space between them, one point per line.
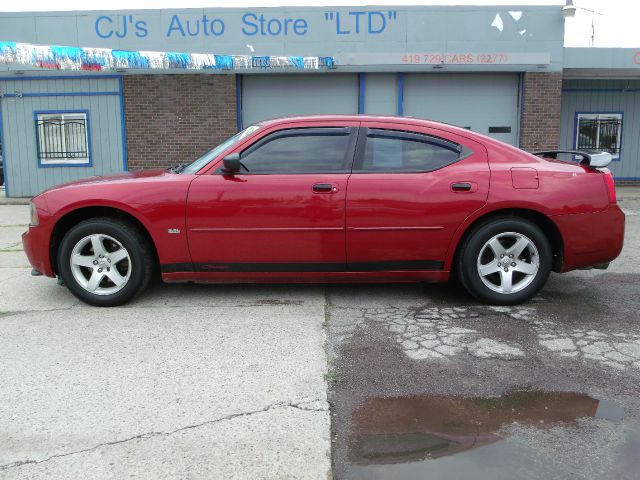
628 193
14 201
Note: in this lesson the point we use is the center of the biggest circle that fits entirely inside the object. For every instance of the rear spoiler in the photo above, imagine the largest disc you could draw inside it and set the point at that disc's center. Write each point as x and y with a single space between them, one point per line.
596 160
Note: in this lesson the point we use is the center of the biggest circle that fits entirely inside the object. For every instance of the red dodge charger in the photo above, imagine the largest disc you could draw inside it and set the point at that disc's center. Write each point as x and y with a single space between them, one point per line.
334 199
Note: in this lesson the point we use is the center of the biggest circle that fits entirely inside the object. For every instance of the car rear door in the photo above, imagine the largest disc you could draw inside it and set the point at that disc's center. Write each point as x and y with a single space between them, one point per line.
410 189
286 213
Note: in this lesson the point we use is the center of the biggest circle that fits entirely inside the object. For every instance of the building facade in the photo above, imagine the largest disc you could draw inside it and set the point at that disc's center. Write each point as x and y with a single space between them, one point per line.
496 71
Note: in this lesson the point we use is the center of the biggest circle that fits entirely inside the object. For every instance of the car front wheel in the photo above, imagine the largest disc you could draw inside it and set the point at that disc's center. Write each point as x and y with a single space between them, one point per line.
105 262
505 261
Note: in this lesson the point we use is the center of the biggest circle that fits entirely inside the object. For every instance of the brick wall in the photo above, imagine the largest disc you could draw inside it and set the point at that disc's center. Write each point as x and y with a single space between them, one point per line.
175 118
540 121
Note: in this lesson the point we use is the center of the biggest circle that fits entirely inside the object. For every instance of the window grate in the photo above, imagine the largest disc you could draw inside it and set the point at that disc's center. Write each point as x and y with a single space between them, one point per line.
599 134
62 138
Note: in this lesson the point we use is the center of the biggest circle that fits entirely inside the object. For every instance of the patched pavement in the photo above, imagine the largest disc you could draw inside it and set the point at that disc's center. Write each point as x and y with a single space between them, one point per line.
427 383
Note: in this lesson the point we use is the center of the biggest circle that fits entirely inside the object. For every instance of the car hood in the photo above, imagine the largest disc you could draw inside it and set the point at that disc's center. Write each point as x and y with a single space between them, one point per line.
117 178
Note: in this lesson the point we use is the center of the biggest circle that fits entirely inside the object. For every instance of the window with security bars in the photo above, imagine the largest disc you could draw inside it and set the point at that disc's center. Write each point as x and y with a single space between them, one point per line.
63 138
599 132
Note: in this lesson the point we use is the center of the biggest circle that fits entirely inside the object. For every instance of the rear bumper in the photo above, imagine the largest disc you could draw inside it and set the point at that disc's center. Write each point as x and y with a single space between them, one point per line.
36 246
591 239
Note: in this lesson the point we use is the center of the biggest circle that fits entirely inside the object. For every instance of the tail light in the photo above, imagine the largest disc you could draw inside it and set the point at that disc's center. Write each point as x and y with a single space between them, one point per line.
611 186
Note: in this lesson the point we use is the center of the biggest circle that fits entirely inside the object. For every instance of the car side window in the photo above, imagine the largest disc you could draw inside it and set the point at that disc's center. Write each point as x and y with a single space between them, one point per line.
395 151
303 150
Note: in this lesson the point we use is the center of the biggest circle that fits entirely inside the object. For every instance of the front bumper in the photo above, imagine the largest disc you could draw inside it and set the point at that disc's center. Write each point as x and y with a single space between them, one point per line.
36 246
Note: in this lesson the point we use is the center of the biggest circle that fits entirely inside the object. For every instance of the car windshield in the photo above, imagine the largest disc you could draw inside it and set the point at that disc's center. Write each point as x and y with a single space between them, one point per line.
213 153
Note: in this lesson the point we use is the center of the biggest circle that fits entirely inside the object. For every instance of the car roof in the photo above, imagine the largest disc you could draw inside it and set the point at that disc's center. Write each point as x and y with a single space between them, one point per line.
360 117
399 121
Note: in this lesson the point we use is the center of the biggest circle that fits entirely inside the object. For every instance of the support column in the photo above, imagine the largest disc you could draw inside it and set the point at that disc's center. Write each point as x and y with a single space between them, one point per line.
540 114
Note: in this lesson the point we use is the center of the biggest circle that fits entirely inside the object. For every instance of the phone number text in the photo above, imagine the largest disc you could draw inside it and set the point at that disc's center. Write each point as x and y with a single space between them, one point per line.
454 58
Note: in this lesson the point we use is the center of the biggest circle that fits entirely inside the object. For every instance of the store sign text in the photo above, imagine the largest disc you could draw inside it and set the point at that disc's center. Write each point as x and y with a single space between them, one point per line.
250 24
454 58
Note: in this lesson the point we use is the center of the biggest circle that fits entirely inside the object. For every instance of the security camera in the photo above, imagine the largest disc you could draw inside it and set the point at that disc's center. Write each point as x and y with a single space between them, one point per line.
569 10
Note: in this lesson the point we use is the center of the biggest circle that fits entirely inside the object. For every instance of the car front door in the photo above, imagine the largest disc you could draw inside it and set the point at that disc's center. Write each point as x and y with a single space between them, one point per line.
408 193
283 212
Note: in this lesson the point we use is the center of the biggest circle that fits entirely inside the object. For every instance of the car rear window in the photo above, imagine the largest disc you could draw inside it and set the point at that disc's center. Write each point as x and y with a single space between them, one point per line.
394 151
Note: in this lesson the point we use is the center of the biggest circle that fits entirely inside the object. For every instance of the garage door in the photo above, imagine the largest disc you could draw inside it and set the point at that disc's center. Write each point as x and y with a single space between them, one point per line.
485 103
269 96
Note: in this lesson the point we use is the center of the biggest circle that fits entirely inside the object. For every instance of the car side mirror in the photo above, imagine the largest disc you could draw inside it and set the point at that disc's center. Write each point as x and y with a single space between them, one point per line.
231 163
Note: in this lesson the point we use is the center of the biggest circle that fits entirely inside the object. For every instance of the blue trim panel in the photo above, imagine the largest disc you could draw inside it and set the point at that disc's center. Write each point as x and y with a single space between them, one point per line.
63 165
601 89
361 87
626 178
239 101
123 130
519 119
4 156
575 128
63 94
401 94
55 77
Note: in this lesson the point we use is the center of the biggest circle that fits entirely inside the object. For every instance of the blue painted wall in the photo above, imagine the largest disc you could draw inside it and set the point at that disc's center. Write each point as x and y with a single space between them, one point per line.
21 97
600 96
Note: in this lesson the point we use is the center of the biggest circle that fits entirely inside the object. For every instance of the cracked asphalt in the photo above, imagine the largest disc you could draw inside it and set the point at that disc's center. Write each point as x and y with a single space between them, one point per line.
427 383
338 381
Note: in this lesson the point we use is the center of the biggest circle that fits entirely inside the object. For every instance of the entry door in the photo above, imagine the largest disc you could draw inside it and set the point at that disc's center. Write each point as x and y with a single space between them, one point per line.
408 193
284 212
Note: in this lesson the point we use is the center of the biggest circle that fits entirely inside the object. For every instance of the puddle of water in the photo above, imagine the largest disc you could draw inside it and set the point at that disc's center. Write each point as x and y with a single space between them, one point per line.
420 432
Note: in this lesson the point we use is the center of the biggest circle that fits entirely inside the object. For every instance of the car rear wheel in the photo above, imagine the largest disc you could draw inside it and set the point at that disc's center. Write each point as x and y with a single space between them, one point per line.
505 261
105 262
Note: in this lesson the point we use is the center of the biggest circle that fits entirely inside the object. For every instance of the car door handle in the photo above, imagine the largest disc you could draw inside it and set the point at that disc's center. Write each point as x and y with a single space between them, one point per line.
461 187
324 188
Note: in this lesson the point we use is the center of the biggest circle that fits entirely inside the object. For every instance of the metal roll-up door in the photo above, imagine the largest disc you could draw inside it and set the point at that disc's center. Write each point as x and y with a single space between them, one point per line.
485 103
276 95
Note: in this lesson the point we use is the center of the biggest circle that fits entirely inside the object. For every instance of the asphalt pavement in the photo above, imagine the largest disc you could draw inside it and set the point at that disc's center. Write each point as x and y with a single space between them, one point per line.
338 381
427 383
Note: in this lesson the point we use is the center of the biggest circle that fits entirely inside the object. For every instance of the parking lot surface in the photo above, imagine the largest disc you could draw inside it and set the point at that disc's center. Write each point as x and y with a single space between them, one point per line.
189 381
196 381
426 383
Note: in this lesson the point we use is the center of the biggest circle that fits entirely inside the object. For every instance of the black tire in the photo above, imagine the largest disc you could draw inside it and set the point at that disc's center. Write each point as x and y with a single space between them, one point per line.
141 260
1 178
474 242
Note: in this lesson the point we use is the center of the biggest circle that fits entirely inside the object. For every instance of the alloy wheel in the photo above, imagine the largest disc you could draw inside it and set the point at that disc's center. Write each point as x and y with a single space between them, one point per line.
508 262
100 264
